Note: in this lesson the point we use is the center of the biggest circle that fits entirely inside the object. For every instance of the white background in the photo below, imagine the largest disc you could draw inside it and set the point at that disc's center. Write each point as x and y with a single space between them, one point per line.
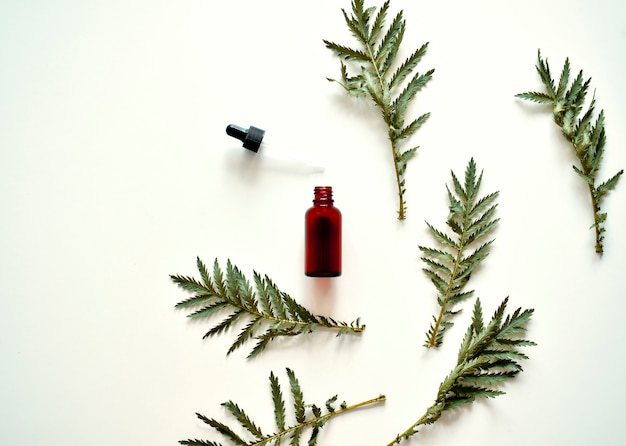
116 172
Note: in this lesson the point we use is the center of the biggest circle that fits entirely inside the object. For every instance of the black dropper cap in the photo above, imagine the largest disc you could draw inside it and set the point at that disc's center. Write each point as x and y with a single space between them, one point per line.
251 137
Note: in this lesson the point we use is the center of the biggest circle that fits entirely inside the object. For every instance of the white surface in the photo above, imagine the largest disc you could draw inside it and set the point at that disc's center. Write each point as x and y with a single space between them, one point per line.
116 172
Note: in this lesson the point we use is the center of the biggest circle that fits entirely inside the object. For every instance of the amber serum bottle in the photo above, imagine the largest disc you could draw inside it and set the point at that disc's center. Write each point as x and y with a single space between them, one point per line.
322 236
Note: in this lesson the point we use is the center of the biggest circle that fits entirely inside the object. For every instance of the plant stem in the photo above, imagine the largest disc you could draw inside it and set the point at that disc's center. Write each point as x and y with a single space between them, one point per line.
425 419
317 420
401 210
387 118
569 136
596 208
268 317
432 340
355 329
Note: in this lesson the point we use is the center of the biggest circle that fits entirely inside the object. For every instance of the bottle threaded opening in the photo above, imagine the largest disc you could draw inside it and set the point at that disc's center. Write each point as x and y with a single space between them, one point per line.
323 194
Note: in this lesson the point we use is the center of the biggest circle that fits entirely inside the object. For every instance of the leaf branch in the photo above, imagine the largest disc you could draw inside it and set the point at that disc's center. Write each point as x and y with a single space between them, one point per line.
375 56
271 313
449 268
587 139
489 356
311 417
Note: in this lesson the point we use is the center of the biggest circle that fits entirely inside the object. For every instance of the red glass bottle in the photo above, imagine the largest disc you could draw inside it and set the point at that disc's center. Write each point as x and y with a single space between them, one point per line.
322 236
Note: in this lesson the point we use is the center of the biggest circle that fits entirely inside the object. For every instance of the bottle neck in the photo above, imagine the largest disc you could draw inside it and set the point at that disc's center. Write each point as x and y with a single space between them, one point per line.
323 196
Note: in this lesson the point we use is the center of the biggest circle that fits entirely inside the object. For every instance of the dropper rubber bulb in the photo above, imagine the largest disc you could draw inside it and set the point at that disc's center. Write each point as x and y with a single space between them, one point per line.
251 137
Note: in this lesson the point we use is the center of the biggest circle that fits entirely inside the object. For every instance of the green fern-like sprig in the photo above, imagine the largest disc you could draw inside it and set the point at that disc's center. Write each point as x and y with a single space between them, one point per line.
388 88
587 138
271 313
307 418
450 267
489 356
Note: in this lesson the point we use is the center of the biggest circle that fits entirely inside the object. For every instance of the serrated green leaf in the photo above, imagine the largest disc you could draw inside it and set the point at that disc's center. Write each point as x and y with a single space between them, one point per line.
575 96
376 54
472 378
437 254
263 305
195 301
482 230
243 419
190 284
279 403
356 26
379 23
535 96
609 184
313 419
438 281
218 279
209 310
196 442
563 81
330 403
298 398
245 334
346 52
415 84
482 204
407 66
204 273
583 175
225 324
470 219
478 255
442 238
392 39
543 69
224 430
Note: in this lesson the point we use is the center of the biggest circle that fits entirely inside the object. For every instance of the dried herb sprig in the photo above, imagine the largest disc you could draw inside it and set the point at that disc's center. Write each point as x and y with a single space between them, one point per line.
375 58
489 356
271 313
311 417
587 139
449 268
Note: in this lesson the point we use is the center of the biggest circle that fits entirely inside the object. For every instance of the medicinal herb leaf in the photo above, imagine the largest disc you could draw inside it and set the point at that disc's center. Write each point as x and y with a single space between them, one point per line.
450 265
587 137
489 356
270 312
390 90
308 419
